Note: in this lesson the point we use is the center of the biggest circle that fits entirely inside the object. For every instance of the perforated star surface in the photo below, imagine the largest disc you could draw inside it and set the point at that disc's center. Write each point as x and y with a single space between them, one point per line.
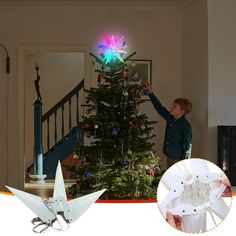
191 189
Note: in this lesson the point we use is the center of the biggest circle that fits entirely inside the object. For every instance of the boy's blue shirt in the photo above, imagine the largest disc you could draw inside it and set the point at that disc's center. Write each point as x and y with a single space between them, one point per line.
178 134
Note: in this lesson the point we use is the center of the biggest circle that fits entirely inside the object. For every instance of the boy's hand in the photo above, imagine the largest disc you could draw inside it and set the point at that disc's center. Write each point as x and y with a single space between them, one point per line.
149 87
228 190
174 220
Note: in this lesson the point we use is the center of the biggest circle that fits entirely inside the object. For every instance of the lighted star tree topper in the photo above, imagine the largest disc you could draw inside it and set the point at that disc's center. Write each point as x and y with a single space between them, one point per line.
113 48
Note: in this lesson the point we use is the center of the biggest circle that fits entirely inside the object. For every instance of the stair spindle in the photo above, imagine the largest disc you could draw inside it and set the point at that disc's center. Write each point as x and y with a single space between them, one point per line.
62 122
55 127
48 133
77 108
70 121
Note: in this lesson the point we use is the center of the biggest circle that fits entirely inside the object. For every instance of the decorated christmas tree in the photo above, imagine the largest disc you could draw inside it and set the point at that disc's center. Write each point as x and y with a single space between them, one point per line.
117 153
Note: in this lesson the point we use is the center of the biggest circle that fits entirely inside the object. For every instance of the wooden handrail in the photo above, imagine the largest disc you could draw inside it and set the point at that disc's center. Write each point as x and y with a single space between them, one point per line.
63 100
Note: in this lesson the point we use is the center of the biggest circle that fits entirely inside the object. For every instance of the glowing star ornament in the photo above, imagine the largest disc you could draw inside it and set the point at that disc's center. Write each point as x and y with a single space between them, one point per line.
48 210
113 48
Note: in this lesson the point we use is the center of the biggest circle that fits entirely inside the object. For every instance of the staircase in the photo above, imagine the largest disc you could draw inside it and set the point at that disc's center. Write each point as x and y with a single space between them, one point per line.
61 132
60 151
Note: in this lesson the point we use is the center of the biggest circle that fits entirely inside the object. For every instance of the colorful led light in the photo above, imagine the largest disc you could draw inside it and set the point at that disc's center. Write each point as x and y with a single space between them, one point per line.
113 48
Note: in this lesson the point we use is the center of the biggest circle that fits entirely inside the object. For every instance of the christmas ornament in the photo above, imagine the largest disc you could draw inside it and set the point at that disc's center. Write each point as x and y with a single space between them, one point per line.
78 181
132 123
136 99
124 163
88 111
125 76
157 169
146 92
151 172
99 78
48 209
146 167
95 130
143 127
150 132
150 155
114 132
75 156
132 64
87 126
88 175
125 93
129 152
113 48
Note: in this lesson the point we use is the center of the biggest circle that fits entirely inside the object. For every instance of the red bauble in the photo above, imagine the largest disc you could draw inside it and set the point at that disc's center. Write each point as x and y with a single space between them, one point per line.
132 123
151 172
99 79
86 126
78 181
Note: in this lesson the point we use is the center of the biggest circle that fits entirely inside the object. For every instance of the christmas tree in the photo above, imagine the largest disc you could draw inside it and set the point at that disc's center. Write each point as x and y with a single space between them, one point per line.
117 153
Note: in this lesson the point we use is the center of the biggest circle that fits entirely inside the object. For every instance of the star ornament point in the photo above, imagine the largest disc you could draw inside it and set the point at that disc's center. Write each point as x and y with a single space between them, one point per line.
48 209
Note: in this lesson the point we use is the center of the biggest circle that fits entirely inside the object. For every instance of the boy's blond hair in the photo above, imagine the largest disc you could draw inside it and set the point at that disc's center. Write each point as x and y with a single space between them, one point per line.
185 104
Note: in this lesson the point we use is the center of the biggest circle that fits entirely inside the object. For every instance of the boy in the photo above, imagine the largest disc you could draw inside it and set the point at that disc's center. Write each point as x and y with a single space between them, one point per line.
178 134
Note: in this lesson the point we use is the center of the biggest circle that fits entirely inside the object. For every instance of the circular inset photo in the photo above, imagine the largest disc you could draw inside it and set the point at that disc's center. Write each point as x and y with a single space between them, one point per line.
194 195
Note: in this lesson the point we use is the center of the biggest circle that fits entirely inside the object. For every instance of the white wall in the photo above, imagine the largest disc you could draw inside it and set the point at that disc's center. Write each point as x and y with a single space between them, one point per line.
195 72
153 31
222 69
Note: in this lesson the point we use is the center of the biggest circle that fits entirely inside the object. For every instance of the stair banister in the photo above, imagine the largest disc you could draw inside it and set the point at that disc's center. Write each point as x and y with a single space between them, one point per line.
53 114
59 107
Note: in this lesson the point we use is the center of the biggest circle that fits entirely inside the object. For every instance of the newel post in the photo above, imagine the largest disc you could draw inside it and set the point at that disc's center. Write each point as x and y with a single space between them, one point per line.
38 148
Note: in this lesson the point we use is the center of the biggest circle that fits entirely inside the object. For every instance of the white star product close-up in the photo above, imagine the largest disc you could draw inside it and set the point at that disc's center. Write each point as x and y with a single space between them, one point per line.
56 212
192 191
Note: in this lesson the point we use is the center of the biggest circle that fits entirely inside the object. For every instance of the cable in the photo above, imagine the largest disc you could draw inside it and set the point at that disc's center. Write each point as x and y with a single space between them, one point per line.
38 222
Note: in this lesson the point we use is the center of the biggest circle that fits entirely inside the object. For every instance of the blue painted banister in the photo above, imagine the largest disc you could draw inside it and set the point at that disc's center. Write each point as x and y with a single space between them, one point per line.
38 150
63 100
45 162
59 108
